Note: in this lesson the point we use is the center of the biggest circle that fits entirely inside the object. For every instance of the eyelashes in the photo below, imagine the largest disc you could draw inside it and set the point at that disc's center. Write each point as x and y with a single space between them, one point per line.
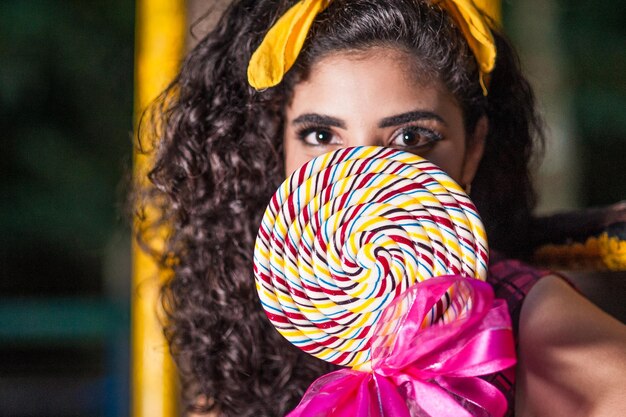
315 135
412 137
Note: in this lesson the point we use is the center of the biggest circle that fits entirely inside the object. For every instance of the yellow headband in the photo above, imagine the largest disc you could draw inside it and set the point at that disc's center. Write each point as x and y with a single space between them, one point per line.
282 44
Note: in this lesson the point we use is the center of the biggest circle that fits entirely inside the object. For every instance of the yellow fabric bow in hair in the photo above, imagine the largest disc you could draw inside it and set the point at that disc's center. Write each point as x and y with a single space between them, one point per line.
282 44
477 32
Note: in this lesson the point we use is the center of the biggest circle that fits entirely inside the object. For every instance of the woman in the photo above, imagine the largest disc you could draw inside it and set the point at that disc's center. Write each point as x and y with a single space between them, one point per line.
398 73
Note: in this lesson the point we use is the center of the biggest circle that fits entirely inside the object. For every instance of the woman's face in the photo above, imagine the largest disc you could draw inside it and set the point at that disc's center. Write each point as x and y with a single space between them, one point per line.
371 98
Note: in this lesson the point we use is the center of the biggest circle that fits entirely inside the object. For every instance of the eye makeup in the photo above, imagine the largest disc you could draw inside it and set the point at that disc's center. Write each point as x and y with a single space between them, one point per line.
316 135
318 130
414 137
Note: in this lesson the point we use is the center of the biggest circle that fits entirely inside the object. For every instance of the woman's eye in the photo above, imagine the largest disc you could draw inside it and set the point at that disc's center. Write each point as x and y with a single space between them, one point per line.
316 137
414 137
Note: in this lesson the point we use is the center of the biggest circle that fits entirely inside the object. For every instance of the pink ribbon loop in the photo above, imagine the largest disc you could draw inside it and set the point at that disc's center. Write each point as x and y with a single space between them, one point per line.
425 371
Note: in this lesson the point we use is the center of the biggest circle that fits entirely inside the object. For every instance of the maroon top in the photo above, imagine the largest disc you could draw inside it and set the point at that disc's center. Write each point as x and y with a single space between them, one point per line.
511 280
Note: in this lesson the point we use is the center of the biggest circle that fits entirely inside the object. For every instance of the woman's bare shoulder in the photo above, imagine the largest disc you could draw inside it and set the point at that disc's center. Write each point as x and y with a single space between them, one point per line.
572 355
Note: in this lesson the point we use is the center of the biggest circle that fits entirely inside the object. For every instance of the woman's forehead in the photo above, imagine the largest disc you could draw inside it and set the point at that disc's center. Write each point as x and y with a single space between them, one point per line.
375 81
414 69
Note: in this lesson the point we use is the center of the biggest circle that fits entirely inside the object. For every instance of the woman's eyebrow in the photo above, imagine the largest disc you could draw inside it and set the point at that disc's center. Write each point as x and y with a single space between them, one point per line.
411 116
319 119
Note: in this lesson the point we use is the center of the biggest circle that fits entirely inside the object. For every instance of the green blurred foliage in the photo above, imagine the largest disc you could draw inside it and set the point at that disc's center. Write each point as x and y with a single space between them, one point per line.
595 45
66 92
589 79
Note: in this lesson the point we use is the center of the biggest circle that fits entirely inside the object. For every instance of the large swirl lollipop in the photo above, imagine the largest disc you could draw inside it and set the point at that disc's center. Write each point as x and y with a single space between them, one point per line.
347 233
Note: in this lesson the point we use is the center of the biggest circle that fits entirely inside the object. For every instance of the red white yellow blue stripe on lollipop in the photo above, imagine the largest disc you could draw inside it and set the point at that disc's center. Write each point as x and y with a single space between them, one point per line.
347 233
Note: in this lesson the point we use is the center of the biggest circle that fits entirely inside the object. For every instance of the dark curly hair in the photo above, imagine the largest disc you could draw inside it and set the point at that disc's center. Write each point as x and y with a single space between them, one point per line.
218 159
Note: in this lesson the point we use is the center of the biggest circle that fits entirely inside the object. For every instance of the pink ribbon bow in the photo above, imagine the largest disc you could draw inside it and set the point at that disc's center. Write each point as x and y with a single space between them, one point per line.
425 371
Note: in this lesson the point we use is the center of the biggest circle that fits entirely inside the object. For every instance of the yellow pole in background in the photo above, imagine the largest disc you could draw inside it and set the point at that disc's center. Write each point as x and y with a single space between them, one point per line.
160 43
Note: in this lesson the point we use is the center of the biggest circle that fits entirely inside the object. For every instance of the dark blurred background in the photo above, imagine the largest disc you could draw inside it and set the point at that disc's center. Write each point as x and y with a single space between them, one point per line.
66 103
66 113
